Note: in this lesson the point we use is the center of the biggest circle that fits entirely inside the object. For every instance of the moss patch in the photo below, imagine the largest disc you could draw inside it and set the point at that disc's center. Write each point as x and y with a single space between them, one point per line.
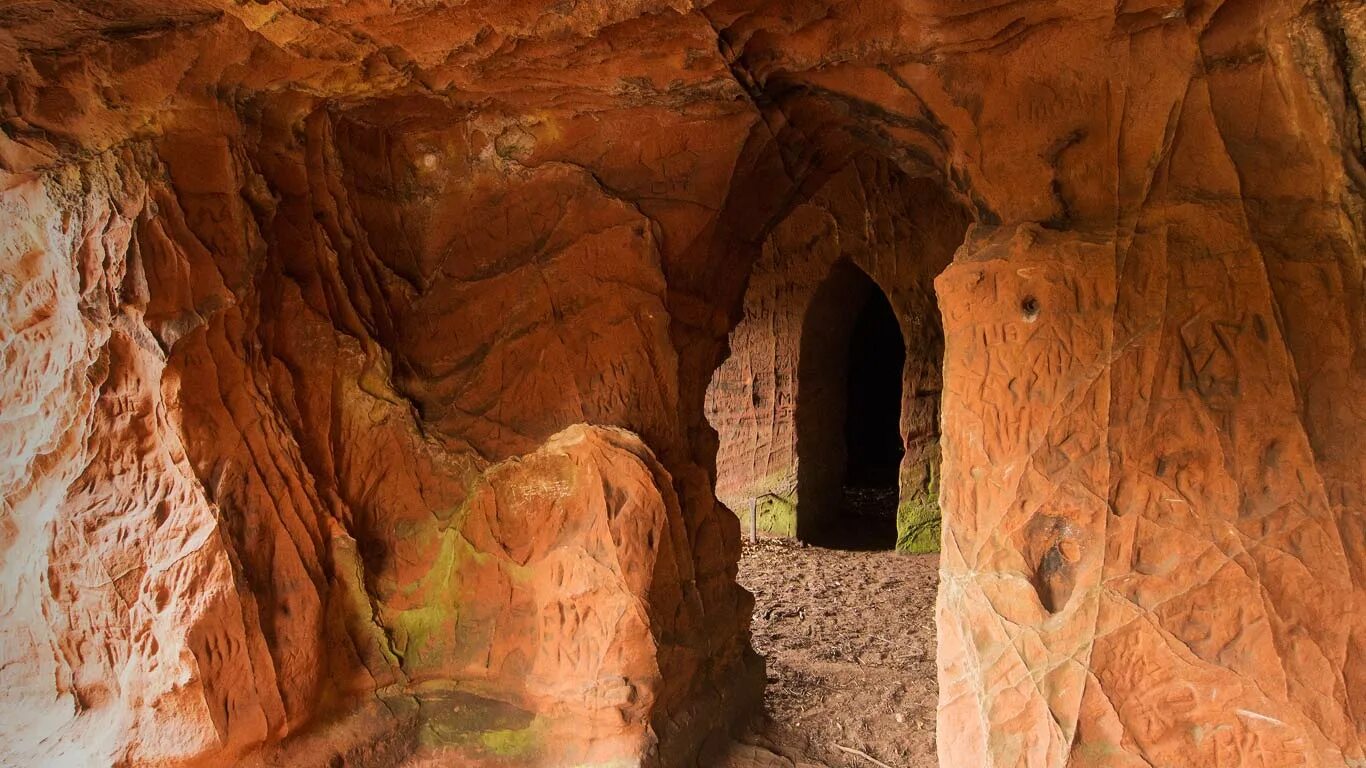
777 515
422 635
518 743
479 727
918 525
919 522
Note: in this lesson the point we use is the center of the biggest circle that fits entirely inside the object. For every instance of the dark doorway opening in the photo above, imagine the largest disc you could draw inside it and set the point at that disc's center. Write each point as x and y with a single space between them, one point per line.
849 403
872 428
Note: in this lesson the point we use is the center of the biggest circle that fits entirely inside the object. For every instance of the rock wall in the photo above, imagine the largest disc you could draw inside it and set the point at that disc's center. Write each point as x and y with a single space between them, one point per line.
778 400
292 445
300 298
1152 555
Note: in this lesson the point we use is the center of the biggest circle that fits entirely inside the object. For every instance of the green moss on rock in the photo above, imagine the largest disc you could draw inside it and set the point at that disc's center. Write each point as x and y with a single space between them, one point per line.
777 516
423 634
919 521
918 525
511 743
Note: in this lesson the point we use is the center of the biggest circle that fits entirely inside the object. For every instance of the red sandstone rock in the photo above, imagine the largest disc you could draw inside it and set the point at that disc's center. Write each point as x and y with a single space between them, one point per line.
1082 586
286 288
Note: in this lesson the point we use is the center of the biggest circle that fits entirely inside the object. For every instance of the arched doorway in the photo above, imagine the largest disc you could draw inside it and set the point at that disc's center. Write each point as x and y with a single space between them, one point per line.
872 431
833 371
849 441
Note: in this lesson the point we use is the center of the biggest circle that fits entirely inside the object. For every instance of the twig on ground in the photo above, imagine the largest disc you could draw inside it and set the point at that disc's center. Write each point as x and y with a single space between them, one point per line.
861 754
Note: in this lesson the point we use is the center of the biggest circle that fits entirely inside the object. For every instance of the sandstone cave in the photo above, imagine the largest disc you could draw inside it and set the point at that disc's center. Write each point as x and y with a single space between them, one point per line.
390 384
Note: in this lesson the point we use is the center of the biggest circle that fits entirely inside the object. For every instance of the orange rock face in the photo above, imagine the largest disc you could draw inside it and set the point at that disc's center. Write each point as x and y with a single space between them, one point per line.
353 406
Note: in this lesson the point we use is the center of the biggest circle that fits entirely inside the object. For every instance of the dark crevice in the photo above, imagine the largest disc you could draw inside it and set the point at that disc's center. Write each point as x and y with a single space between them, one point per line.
848 416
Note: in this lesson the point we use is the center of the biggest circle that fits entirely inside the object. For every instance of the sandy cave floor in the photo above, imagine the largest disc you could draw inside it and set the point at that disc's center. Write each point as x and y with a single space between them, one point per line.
849 640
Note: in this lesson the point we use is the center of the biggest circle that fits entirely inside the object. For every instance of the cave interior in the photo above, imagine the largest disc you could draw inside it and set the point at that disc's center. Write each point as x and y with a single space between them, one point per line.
392 385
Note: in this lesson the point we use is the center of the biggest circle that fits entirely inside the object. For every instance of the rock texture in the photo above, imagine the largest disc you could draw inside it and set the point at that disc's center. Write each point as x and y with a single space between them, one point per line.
259 488
298 299
1095 593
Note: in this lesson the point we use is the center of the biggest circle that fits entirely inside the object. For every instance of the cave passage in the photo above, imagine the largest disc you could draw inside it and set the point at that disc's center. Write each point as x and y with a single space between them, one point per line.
872 433
827 417
849 401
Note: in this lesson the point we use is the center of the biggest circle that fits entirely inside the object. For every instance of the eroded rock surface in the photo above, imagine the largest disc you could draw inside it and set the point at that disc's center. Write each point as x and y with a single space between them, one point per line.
228 524
291 292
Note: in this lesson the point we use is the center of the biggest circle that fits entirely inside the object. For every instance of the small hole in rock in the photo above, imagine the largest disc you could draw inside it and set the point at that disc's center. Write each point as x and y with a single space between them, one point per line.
1029 307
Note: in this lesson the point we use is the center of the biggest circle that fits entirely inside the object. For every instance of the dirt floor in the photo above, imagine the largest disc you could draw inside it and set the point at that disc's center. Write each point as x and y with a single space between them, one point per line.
849 640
